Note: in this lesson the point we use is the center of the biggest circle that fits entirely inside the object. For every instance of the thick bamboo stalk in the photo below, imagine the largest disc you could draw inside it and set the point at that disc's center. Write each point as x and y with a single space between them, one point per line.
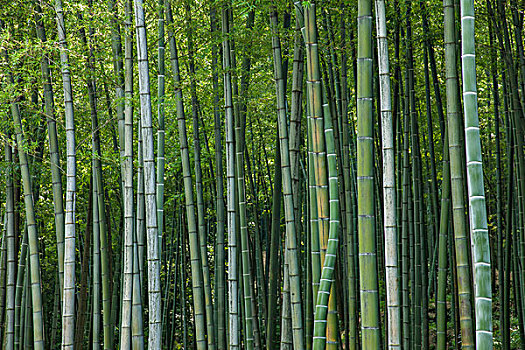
456 173
389 193
68 307
316 121
320 338
33 258
137 333
476 191
296 111
129 234
153 249
286 322
368 277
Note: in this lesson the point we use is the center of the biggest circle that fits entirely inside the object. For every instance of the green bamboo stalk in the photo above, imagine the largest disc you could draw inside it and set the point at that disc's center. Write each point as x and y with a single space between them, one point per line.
195 254
309 304
434 225
240 291
245 252
140 210
296 110
83 310
243 228
405 229
3 275
425 238
129 258
34 261
27 305
314 90
153 247
96 267
116 49
286 314
411 236
365 182
160 116
103 228
333 337
416 184
19 339
317 128
454 130
233 297
321 339
260 287
117 279
351 245
220 303
183 288
22 333
274 245
137 333
478 216
68 307
334 104
240 111
441 302
203 239
313 217
68 312
22 263
291 256
176 243
348 182
9 338
454 313
167 283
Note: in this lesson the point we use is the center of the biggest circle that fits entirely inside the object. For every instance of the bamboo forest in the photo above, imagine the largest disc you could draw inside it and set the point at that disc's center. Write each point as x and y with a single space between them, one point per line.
284 174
